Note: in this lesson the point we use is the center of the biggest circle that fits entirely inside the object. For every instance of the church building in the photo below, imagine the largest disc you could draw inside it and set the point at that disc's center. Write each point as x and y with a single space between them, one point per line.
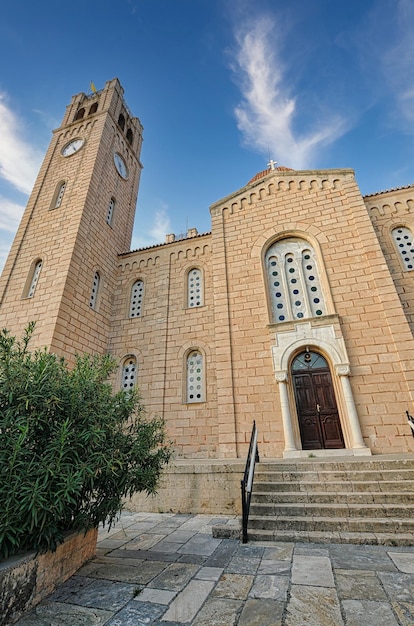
296 310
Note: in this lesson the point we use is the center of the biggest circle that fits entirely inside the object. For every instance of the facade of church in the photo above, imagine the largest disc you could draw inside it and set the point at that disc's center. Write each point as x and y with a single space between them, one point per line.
295 311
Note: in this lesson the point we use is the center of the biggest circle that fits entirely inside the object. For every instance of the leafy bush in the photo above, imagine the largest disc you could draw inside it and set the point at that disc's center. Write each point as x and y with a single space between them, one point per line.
70 448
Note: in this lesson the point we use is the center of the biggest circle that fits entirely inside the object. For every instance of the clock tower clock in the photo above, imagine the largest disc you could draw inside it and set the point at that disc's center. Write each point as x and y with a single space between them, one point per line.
61 270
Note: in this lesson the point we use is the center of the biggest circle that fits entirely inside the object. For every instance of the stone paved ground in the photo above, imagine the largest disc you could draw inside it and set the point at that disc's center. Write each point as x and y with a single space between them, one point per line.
168 570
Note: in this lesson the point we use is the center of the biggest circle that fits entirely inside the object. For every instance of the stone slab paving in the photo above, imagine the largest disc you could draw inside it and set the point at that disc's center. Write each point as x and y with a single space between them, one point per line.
168 570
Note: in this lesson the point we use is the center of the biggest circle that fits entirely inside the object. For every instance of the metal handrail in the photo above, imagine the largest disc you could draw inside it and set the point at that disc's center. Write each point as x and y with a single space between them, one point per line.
247 481
410 419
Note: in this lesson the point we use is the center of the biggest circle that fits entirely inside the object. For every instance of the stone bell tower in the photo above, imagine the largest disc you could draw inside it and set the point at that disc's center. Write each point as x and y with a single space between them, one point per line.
61 268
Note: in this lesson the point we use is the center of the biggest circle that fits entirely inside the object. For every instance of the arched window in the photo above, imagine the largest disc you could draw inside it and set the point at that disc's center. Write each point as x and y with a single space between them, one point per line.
121 121
94 291
137 296
293 280
79 114
110 211
403 238
195 377
35 278
195 288
129 374
94 108
58 196
129 136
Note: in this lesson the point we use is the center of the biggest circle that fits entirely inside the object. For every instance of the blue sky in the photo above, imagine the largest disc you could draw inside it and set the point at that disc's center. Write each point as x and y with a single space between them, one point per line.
220 86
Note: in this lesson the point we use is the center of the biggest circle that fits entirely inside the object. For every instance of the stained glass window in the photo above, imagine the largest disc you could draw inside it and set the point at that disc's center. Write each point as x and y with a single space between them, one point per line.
137 296
195 288
129 373
403 238
94 291
195 377
35 278
293 281
110 211
59 194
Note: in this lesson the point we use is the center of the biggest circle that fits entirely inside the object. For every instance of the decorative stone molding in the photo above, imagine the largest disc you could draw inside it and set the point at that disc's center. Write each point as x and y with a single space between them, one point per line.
303 335
322 337
343 369
281 377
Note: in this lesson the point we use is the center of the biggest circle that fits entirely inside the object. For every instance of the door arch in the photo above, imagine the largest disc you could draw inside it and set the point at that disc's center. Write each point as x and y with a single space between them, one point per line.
317 410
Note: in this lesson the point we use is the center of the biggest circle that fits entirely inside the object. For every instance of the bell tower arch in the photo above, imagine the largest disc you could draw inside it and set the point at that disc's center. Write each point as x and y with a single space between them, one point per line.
91 168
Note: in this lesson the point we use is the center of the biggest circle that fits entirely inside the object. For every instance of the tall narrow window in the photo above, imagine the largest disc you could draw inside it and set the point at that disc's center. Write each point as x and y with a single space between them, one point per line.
93 108
79 114
195 377
35 278
293 280
94 291
137 296
110 211
129 136
403 238
129 373
60 190
195 287
121 121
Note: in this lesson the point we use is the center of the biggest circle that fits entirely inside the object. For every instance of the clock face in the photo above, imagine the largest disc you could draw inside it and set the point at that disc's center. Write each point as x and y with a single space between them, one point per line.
72 147
120 165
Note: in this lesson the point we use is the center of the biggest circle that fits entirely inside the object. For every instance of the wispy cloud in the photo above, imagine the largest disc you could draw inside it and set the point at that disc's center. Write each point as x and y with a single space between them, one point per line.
10 214
161 225
266 114
19 161
153 232
398 64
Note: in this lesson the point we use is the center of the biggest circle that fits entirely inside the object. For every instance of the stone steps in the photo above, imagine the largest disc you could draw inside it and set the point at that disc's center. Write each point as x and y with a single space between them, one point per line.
362 538
331 524
340 497
354 500
299 509
397 486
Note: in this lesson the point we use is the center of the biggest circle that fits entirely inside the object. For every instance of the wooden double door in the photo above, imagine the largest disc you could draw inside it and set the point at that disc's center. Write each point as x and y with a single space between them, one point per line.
319 423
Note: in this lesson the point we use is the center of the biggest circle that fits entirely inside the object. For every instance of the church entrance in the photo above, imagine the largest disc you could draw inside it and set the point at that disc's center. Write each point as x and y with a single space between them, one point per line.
316 406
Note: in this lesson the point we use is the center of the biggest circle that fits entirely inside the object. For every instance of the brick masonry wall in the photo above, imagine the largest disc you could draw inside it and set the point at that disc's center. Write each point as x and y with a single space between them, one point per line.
234 330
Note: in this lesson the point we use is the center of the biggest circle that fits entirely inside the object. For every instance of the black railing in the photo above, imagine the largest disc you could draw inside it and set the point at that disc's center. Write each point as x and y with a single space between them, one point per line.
410 419
247 482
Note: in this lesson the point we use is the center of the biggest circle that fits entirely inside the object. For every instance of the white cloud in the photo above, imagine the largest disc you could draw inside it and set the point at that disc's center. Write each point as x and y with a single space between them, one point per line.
152 233
5 245
10 214
19 161
161 225
266 114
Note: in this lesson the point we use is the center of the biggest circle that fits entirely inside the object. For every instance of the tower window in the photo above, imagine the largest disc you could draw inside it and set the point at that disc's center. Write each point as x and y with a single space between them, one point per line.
129 374
195 288
129 136
79 114
35 278
195 377
293 281
137 296
404 242
94 291
110 212
121 121
58 197
93 108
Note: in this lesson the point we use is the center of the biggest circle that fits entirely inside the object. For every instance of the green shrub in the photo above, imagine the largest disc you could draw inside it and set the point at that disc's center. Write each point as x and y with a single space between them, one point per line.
70 448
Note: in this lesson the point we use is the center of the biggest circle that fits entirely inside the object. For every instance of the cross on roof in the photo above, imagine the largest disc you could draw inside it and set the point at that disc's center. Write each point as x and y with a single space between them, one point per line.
272 164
